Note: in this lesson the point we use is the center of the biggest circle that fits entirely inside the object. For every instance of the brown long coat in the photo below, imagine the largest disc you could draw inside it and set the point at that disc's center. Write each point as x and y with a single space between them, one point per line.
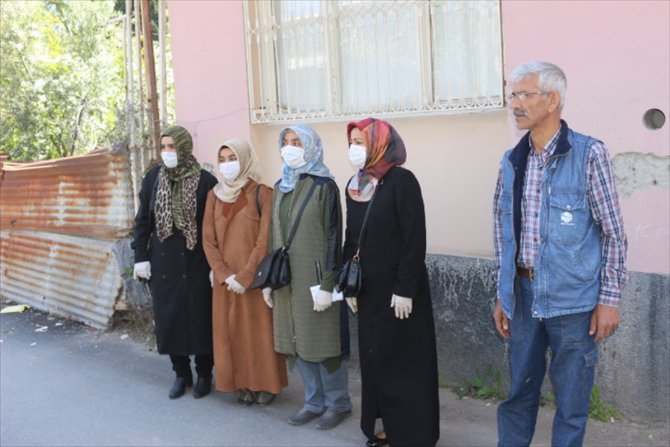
235 239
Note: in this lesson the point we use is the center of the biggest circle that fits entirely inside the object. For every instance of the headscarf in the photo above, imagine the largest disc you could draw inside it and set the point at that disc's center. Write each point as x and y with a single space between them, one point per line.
311 143
228 190
175 195
385 149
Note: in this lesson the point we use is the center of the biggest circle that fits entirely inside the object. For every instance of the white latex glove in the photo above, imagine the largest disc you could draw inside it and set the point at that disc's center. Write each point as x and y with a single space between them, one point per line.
142 270
402 305
352 302
323 300
235 286
267 297
211 278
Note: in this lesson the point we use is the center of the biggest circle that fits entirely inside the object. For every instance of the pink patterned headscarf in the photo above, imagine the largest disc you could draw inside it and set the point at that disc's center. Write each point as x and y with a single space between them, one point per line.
385 149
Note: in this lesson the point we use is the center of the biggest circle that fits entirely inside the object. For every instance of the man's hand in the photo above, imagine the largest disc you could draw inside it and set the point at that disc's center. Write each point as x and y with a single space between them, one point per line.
501 320
604 321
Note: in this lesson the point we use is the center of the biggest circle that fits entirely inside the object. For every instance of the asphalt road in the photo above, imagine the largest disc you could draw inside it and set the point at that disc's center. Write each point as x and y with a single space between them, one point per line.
64 384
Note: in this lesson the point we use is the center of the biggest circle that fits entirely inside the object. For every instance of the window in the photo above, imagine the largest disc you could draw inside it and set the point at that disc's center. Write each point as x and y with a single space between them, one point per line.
310 59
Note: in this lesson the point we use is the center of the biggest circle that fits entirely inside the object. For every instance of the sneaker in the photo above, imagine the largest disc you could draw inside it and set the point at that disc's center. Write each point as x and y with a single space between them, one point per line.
331 419
302 417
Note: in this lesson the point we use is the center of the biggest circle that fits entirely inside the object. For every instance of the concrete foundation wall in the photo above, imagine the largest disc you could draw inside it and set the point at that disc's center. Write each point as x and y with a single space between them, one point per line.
633 371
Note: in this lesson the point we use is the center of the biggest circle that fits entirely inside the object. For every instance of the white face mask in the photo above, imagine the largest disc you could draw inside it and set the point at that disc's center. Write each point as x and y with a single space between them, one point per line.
169 159
293 156
230 170
357 156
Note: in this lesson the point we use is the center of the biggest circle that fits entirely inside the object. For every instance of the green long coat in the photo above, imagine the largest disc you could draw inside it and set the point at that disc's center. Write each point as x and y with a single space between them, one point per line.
298 329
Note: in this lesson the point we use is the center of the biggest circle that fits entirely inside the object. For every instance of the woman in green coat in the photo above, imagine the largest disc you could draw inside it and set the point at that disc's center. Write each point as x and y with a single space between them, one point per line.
309 327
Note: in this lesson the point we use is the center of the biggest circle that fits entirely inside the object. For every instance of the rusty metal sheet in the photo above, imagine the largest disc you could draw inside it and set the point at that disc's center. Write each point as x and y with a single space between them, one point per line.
71 276
87 195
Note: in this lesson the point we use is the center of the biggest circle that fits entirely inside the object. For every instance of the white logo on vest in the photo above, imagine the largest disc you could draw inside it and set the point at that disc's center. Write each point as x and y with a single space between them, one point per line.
566 218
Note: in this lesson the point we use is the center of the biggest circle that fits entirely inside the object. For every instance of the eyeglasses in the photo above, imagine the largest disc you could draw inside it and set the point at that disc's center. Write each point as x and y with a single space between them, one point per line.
522 96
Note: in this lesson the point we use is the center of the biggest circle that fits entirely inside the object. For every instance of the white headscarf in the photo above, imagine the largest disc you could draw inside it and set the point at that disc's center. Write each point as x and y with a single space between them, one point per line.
228 190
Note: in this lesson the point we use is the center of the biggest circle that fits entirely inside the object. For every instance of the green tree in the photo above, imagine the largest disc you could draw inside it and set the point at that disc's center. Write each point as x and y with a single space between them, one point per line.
61 77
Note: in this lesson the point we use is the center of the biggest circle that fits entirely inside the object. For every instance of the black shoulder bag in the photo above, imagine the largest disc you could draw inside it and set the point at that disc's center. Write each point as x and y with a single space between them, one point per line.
274 271
350 280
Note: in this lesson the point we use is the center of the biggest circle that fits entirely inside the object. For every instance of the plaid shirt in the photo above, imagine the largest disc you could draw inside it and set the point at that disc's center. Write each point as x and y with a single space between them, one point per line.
604 203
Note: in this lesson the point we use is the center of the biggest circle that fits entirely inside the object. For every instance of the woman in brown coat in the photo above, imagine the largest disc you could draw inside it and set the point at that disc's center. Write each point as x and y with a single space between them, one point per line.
235 235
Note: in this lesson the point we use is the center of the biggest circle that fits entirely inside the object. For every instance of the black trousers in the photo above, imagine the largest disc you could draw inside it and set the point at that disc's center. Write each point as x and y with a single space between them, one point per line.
181 364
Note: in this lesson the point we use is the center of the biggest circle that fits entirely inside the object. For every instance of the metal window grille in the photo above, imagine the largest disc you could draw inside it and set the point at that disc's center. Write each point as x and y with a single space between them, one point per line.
311 59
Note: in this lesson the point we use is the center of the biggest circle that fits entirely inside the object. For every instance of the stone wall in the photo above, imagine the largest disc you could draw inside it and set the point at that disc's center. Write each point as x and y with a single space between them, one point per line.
633 371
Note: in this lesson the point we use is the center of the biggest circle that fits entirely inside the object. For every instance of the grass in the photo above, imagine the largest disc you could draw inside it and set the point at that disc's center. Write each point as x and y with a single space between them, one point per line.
601 411
482 386
488 386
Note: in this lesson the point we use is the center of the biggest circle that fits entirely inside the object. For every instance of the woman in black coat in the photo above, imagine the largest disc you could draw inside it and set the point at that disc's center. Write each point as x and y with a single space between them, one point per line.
396 332
169 254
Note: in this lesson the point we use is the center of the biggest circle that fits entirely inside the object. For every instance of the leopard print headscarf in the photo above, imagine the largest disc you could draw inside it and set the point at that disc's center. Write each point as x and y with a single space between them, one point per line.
176 193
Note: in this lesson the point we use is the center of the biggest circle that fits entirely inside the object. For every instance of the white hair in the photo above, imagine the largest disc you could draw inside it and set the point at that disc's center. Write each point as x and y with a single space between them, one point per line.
550 77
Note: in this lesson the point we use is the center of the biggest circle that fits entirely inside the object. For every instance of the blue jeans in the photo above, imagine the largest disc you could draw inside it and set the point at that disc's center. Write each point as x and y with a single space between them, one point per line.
325 389
572 367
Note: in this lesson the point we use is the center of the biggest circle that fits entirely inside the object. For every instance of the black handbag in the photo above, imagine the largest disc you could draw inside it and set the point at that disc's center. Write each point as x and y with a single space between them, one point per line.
350 280
274 271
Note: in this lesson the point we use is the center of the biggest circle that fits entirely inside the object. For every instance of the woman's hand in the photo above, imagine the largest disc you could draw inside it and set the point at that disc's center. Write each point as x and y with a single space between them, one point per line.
142 270
235 286
267 297
402 305
352 302
323 300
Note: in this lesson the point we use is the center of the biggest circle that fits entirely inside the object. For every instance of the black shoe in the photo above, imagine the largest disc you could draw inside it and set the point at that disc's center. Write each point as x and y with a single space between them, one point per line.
302 417
202 387
245 397
377 442
331 419
264 397
179 387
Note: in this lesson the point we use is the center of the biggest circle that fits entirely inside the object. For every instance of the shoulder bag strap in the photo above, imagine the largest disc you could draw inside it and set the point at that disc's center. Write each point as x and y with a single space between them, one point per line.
297 219
258 200
361 235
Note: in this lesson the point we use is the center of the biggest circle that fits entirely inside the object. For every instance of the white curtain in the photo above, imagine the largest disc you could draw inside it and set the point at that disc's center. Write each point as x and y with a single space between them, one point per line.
347 57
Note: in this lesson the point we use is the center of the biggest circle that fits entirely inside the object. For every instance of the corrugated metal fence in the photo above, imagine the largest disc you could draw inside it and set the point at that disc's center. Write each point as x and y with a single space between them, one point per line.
59 220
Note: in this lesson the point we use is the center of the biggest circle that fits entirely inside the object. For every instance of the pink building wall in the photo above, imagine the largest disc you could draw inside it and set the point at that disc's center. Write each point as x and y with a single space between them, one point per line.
615 55
210 73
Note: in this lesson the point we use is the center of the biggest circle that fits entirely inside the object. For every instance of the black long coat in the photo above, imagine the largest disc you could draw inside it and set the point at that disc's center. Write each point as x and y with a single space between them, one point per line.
180 287
398 357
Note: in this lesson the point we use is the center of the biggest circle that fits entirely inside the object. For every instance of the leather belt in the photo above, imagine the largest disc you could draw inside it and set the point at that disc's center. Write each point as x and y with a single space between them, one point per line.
525 273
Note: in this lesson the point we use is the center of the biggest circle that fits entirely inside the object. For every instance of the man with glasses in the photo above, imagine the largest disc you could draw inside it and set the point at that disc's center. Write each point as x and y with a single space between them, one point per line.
560 253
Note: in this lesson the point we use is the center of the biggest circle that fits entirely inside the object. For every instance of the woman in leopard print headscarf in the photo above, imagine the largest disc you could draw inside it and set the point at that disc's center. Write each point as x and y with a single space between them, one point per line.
169 254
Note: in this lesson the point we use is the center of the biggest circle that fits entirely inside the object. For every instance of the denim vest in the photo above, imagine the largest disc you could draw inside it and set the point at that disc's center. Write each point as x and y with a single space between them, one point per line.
568 262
